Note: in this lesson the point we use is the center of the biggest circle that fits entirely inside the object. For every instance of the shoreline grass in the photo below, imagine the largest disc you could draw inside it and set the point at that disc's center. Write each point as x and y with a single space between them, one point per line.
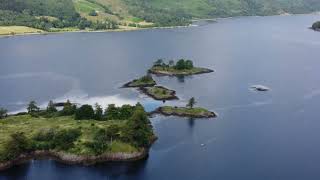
77 30
30 126
13 30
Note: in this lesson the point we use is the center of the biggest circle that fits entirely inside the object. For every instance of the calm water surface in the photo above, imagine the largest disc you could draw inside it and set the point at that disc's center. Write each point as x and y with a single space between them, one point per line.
265 136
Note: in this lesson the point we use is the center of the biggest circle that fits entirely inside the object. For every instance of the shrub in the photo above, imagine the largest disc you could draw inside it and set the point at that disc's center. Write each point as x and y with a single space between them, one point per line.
45 135
188 64
3 113
84 112
50 139
100 142
64 139
138 129
68 109
119 113
32 107
17 144
147 78
51 107
93 13
98 114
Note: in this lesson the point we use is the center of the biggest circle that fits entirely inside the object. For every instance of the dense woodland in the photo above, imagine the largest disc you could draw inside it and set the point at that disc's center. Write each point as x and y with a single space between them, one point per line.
34 13
177 12
46 14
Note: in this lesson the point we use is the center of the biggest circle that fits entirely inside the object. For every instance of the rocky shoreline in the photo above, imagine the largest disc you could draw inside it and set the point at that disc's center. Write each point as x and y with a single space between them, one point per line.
168 73
316 29
160 111
74 159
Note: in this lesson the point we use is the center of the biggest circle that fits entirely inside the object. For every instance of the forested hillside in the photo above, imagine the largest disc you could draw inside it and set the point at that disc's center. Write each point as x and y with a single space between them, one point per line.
110 14
219 8
223 8
46 15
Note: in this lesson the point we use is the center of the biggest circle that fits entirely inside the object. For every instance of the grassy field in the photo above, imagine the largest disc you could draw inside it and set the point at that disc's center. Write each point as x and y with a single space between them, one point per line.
116 6
30 126
117 11
84 6
197 8
12 30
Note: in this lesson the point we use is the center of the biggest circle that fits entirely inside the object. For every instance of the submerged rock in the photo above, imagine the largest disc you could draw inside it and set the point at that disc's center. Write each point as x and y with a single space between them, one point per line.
260 88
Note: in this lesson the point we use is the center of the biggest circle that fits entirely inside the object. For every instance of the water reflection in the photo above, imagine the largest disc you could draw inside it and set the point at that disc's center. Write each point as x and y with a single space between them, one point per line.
191 122
114 170
181 79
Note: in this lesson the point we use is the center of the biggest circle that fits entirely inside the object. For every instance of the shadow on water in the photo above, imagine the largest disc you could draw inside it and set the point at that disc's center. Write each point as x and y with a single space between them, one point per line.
118 169
17 171
191 123
181 79
113 170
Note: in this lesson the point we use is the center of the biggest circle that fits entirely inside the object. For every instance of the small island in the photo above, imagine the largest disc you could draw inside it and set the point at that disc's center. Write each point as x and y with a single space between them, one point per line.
159 93
188 111
83 135
316 26
181 68
145 81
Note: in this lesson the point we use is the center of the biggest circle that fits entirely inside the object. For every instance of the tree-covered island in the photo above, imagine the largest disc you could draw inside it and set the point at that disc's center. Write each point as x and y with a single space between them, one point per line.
181 68
316 26
159 93
83 135
145 81
188 111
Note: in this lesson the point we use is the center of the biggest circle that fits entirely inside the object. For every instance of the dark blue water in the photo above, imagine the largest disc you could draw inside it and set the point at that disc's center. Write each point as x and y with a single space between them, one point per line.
267 136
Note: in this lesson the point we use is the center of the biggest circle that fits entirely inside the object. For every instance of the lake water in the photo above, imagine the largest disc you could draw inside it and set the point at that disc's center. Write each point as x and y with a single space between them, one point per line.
270 135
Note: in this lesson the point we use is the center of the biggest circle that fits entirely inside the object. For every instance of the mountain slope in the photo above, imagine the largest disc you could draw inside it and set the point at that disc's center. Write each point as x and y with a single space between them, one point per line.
108 14
224 8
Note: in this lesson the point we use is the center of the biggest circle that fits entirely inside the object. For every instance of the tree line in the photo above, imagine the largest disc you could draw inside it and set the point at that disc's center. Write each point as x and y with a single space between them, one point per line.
84 112
181 64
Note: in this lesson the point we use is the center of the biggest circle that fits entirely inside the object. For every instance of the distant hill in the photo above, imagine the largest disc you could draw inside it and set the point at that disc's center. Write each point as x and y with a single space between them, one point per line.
110 14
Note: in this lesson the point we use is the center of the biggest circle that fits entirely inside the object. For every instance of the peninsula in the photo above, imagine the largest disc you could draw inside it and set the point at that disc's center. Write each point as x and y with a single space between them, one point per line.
83 135
181 68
